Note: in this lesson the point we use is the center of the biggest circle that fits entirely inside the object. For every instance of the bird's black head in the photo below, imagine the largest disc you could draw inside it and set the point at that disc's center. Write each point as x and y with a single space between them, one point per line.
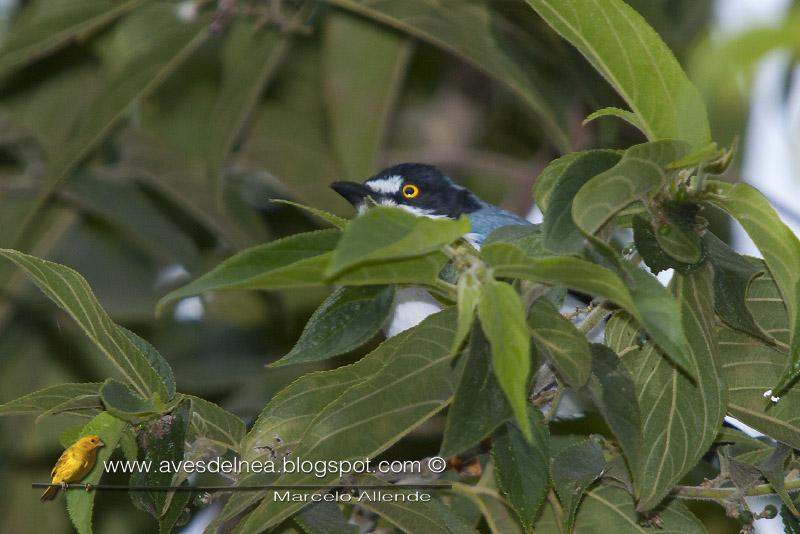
418 188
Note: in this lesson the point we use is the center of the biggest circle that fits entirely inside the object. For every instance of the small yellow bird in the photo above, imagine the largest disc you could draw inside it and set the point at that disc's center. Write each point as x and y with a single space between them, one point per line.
77 460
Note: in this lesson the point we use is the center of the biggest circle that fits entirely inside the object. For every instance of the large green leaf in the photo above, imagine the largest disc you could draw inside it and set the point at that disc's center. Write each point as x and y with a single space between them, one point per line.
473 31
80 504
631 56
606 506
640 173
298 260
561 234
751 366
141 53
679 416
560 342
47 25
646 299
781 251
214 425
51 398
522 466
364 65
502 317
138 362
250 55
479 405
125 404
162 441
409 517
354 412
574 469
388 233
347 319
495 509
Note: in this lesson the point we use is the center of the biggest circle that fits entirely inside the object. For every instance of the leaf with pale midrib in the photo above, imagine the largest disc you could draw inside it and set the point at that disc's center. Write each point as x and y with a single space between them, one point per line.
679 417
334 415
630 55
781 250
49 398
559 341
347 319
138 362
752 366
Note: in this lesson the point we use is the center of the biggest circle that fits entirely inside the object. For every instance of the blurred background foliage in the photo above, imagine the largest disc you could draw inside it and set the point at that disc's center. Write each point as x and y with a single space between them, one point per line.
141 141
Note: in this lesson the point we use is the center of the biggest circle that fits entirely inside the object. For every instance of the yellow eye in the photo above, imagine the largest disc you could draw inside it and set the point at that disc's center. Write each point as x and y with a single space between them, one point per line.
410 190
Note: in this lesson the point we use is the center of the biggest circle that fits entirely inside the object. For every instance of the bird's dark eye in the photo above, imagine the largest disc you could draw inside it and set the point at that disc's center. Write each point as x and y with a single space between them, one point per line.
410 190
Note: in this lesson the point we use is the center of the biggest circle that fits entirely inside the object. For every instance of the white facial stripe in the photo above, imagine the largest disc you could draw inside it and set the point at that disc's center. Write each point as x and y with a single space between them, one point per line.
420 212
388 185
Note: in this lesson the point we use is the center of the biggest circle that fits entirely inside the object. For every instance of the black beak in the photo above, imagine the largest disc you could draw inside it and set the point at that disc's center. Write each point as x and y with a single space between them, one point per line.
353 192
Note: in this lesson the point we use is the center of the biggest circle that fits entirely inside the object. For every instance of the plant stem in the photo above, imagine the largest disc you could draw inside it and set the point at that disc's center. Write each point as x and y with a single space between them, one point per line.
558 510
594 318
721 494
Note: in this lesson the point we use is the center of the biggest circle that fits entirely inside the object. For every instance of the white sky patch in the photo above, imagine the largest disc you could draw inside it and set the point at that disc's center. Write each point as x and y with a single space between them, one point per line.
388 185
189 309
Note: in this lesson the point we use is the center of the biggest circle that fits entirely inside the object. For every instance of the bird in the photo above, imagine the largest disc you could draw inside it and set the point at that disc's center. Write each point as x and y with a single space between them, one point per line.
73 464
425 191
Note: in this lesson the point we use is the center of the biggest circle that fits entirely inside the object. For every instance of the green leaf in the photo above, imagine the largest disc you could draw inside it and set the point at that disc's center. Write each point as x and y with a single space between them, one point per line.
479 405
680 417
125 404
559 341
751 366
162 443
298 260
332 415
334 220
213 425
418 270
781 251
495 509
468 292
81 503
630 55
773 470
347 319
561 234
138 362
549 177
480 36
522 466
250 56
324 518
647 245
732 276
364 65
50 398
409 517
606 506
614 393
388 233
151 43
528 237
647 300
677 234
638 176
510 261
573 470
624 114
47 25
503 320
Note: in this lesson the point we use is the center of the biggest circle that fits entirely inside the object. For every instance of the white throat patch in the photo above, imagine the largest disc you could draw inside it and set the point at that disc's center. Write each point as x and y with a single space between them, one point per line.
388 185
